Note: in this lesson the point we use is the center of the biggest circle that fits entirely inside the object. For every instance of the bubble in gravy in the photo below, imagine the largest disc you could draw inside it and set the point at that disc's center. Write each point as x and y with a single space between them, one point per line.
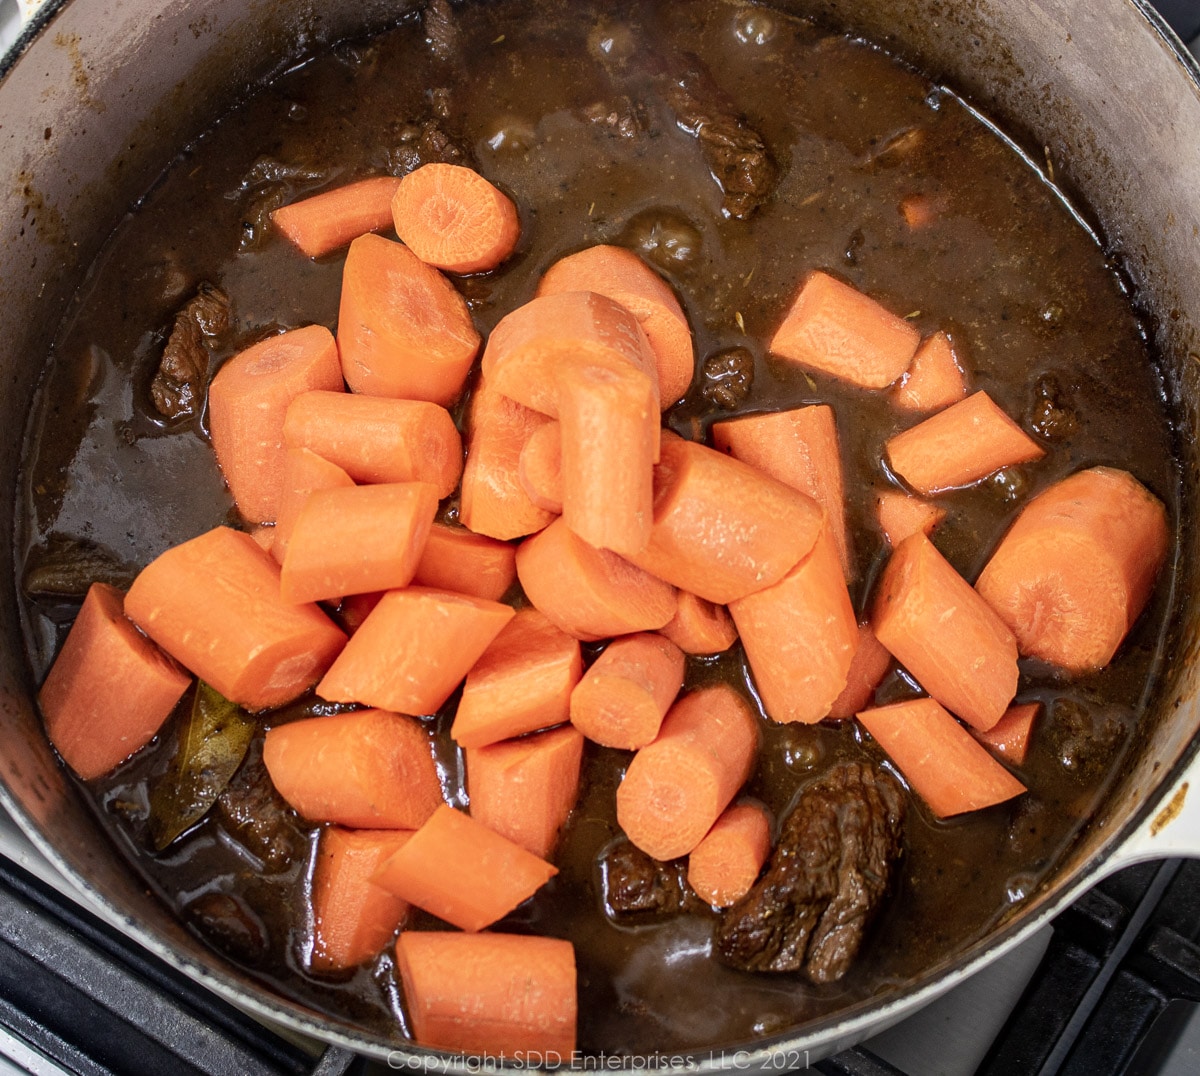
753 26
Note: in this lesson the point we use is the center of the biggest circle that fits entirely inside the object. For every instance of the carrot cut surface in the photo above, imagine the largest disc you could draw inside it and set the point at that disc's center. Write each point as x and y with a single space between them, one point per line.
623 277
1077 567
870 663
304 472
800 636
724 866
379 440
459 870
501 995
676 787
801 449
353 918
945 765
522 683
836 329
331 219
213 604
452 218
403 329
525 789
699 626
413 650
960 445
932 621
540 467
1009 737
933 380
110 688
264 534
920 210
900 514
723 529
370 769
248 402
455 559
587 592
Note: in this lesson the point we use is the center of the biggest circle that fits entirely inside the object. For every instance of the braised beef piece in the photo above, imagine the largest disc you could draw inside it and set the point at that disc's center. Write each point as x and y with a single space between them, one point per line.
622 117
423 143
229 925
255 815
1053 413
178 384
65 567
441 29
1083 741
728 377
636 886
826 879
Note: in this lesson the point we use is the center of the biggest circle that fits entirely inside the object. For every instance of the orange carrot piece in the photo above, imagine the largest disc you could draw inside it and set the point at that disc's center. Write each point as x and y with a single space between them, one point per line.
800 635
370 769
587 592
355 608
836 329
522 683
801 449
459 870
357 540
945 765
264 534
960 445
501 995
1009 736
676 787
466 563
937 627
725 864
247 403
378 440
329 220
622 699
493 502
723 529
403 329
525 789
213 604
900 514
609 425
353 918
530 345
304 472
1077 567
934 378
699 626
920 210
540 467
870 663
109 690
623 277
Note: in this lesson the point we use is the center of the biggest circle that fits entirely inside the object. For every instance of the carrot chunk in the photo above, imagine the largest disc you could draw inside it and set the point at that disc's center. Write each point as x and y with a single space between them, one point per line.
525 789
540 467
801 449
247 403
623 277
455 559
357 540
676 787
403 329
378 440
587 592
522 683
800 636
1009 736
960 445
459 870
725 864
920 210
264 534
723 529
331 219
836 329
502 995
213 604
933 623
900 514
304 472
870 663
623 698
353 918
451 217
941 760
110 688
1077 567
699 626
933 380
370 769
413 650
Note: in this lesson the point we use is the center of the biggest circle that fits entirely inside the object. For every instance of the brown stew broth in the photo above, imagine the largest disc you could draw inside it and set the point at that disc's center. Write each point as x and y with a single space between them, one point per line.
1007 268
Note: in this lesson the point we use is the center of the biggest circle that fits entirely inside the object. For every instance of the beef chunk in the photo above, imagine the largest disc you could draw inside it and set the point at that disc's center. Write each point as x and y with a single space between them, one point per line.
1053 414
179 380
422 143
255 815
636 886
825 881
1084 742
441 29
728 377
621 117
229 924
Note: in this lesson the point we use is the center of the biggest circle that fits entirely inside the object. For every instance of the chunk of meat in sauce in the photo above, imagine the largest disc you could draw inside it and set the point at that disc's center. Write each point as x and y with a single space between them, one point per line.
728 377
637 887
441 29
178 384
827 876
255 815
423 143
